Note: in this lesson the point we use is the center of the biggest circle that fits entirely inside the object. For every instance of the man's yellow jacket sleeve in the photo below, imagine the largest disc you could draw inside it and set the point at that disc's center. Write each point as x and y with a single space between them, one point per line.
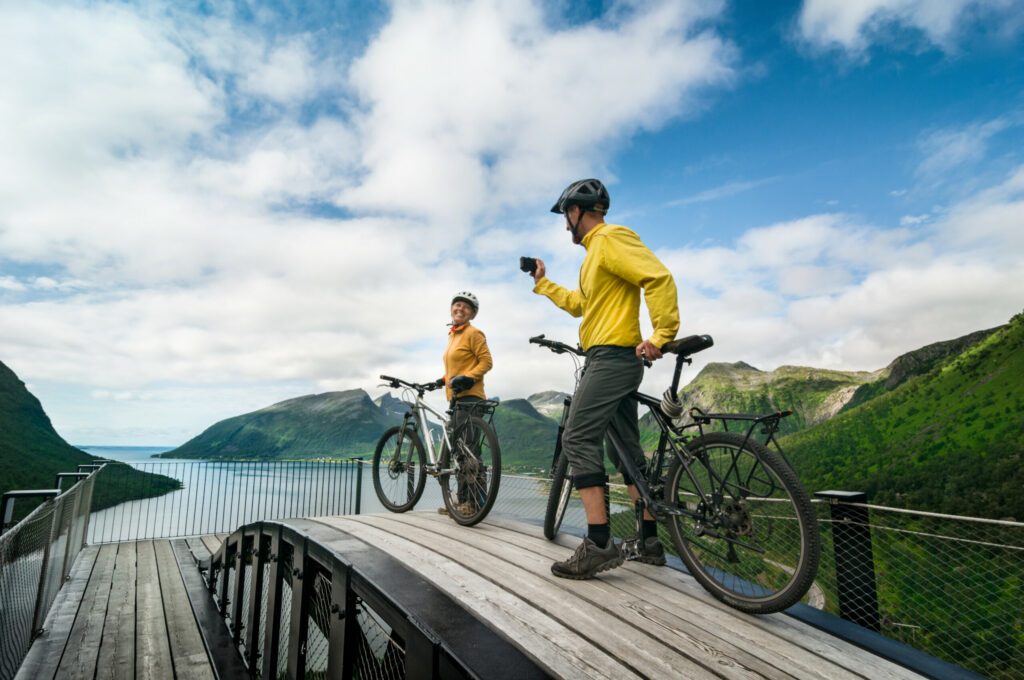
569 300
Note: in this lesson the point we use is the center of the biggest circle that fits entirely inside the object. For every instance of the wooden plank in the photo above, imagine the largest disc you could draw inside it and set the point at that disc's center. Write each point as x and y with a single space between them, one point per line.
187 649
541 637
79 659
216 639
582 606
152 651
199 550
212 543
117 653
680 628
44 655
776 631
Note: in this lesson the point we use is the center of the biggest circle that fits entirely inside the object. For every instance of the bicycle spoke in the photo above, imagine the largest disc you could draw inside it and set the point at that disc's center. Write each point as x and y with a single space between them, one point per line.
749 536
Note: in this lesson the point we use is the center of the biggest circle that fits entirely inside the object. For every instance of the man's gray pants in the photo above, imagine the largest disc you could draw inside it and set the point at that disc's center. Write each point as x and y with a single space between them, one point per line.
610 375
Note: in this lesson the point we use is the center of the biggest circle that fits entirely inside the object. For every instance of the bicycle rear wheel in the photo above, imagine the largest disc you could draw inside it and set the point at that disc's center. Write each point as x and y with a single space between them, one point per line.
558 498
399 469
752 539
471 471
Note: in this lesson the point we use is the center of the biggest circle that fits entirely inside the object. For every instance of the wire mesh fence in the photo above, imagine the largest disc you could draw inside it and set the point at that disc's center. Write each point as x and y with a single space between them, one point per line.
318 627
219 497
381 652
950 586
36 557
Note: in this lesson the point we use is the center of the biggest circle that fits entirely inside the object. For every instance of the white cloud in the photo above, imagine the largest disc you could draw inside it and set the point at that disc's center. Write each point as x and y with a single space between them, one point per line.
946 149
471 108
853 25
184 265
828 291
723 191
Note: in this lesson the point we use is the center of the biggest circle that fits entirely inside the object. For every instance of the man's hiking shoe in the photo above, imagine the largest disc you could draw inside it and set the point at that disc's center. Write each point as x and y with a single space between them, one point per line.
442 510
588 560
650 551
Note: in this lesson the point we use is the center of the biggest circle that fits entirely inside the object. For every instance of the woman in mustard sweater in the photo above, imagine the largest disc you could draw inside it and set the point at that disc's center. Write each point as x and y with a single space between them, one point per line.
467 356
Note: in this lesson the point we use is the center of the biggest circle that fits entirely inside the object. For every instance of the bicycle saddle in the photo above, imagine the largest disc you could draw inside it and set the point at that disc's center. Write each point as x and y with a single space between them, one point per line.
691 344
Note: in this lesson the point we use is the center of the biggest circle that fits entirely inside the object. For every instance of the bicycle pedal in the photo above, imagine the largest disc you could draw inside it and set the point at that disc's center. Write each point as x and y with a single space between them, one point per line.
631 549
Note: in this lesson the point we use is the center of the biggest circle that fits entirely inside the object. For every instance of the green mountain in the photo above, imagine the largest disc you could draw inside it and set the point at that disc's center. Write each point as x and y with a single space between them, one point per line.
950 439
914 363
550 403
32 453
313 426
813 394
527 437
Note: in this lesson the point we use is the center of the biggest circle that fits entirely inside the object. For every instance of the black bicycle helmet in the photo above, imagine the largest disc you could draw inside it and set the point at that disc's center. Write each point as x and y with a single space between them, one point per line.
588 194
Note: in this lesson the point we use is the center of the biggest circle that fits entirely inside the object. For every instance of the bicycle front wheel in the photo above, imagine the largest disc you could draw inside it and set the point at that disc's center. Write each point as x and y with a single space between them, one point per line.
558 498
399 469
750 535
471 471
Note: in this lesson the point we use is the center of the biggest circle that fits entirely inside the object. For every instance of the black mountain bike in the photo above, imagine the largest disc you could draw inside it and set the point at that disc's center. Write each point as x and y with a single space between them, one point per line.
736 512
468 466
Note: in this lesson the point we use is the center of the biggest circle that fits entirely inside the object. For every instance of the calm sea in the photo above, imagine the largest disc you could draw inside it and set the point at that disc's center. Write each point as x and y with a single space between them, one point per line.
219 497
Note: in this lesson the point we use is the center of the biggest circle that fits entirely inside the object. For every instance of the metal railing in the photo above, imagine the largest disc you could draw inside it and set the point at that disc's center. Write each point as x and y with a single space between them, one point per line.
36 556
217 497
297 609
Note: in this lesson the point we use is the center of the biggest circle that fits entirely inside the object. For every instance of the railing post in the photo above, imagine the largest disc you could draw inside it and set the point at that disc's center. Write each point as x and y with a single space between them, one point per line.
343 646
855 562
238 597
65 568
37 614
359 483
420 655
91 483
260 553
302 576
272 634
225 566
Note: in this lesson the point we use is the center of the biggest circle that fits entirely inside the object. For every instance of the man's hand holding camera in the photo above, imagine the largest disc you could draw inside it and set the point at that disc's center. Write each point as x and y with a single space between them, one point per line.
533 266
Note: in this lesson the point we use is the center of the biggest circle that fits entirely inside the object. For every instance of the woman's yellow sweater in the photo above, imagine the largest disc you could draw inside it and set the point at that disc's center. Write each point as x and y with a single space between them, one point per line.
467 354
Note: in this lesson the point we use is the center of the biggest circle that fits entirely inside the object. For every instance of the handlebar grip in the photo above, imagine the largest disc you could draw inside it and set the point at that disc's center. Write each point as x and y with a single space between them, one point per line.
537 339
388 378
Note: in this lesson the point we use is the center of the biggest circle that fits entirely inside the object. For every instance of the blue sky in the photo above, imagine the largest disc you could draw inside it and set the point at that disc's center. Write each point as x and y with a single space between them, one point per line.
211 207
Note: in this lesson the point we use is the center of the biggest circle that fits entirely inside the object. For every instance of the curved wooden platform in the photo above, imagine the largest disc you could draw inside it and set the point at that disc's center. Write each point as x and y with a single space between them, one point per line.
636 621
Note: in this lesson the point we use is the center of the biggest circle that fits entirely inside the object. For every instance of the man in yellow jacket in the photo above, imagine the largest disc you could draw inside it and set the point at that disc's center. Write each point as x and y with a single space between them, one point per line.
616 268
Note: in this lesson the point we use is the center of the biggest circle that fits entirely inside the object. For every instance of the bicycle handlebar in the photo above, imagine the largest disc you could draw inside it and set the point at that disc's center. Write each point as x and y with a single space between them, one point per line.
419 387
555 346
561 348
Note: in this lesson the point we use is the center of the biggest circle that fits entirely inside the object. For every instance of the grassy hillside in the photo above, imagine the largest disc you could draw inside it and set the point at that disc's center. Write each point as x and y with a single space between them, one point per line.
813 394
950 440
313 426
527 437
32 453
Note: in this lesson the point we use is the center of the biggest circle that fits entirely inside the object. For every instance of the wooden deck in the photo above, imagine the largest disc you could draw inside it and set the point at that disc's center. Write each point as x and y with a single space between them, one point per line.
130 610
636 621
124 613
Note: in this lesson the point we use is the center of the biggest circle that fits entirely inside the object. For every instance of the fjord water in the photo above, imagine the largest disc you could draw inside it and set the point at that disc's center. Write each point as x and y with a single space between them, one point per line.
218 497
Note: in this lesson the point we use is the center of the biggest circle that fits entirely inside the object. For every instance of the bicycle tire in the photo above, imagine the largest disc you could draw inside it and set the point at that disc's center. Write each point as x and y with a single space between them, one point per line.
758 504
478 477
402 472
558 498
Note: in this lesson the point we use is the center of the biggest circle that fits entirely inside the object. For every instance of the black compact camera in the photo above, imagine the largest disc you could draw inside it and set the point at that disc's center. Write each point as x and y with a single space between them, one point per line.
528 264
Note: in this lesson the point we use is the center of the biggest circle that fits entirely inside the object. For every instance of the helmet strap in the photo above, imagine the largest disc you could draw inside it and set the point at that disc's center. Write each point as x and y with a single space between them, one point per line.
576 227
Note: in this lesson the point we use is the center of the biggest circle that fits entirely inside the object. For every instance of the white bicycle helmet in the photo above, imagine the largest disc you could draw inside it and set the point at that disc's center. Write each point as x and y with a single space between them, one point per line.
468 298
